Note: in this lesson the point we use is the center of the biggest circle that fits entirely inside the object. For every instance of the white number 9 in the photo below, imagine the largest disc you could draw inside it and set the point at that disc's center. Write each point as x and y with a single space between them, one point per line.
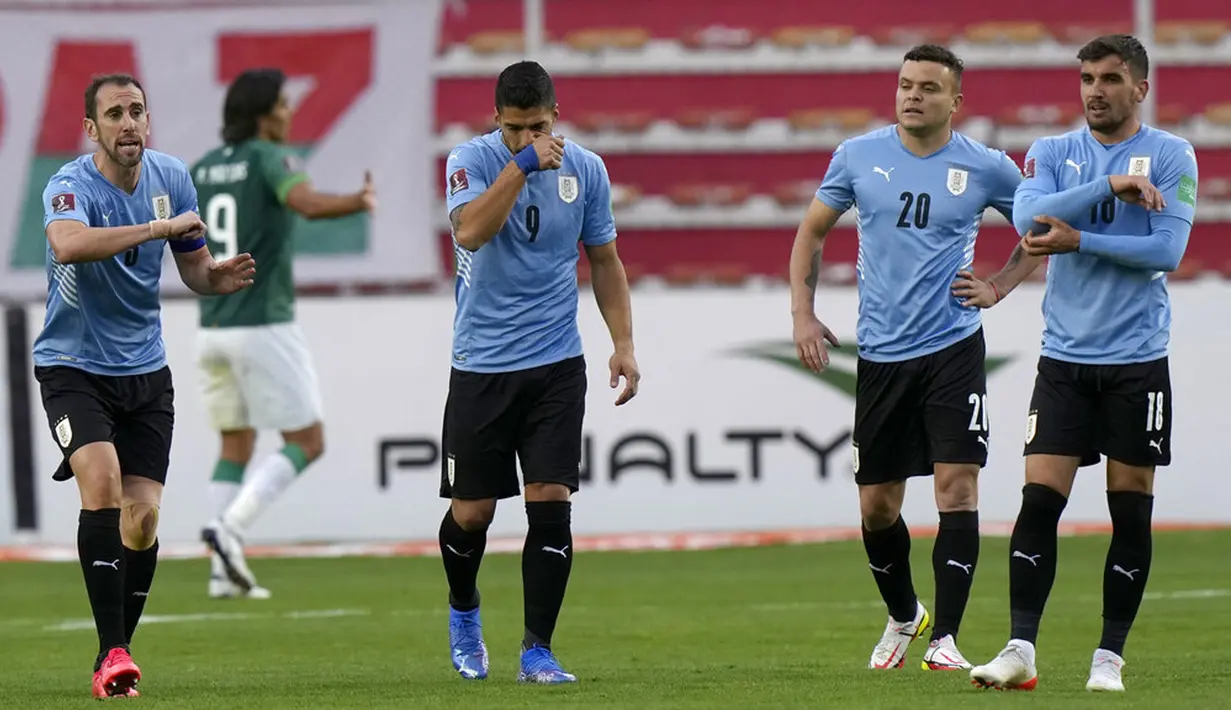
221 214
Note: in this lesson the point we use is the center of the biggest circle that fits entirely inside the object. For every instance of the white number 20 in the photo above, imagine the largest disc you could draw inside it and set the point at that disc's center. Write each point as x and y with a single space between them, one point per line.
220 216
978 413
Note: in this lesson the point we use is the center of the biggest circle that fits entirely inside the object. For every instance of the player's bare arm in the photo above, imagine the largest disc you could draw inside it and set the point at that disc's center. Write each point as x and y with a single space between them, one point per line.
810 333
73 242
476 222
207 277
312 204
612 293
985 294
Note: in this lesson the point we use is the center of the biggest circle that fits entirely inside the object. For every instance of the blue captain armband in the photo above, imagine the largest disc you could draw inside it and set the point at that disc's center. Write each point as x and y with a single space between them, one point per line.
184 246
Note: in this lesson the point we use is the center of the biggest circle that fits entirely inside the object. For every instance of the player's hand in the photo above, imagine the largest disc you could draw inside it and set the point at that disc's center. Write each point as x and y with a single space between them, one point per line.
623 364
550 150
367 195
974 292
232 275
1137 190
1060 239
810 338
185 226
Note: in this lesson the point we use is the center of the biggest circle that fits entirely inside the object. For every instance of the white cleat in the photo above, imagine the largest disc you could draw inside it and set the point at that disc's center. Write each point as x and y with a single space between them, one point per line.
223 588
228 546
890 652
942 655
1105 672
1012 669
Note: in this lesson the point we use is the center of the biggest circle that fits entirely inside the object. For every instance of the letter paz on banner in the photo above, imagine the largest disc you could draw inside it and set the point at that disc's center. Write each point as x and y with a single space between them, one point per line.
639 451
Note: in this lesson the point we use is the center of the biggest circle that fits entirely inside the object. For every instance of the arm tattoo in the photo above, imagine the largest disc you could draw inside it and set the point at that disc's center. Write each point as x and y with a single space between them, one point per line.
455 217
814 272
1015 258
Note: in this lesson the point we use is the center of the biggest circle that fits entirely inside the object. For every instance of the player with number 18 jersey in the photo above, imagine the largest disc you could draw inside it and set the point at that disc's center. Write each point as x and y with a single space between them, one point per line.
256 370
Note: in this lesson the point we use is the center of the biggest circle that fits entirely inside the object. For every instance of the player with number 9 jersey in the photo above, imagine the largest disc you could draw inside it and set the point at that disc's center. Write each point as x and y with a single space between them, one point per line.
255 366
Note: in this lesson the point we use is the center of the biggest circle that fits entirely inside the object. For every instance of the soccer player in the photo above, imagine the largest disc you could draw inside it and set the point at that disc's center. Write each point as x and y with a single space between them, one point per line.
1112 205
920 189
519 199
256 370
100 359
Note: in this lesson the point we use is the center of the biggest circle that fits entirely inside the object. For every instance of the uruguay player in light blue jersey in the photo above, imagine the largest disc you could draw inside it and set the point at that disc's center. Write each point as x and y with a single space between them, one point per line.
519 199
920 190
100 360
1112 205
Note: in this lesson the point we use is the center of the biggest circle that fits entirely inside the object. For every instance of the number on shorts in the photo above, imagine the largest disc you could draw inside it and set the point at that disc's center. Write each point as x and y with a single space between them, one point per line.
1154 413
978 412
221 214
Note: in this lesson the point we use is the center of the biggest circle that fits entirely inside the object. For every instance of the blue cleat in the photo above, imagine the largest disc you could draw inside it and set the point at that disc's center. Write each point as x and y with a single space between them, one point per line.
538 665
466 643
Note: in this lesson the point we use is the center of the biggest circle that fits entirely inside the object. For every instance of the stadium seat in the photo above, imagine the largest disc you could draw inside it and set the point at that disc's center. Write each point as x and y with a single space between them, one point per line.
618 122
1185 32
820 118
1216 188
800 37
1039 115
693 274
795 193
1219 114
624 195
1171 114
593 41
718 37
1081 33
1006 33
728 119
709 194
911 35
497 42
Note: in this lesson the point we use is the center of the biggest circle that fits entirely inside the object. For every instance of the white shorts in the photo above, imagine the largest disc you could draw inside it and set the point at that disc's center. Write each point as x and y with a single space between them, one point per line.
258 377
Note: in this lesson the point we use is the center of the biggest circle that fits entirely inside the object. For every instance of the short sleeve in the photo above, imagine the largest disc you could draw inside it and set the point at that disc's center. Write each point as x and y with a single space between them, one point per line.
65 198
465 177
836 189
282 169
184 198
598 226
1005 178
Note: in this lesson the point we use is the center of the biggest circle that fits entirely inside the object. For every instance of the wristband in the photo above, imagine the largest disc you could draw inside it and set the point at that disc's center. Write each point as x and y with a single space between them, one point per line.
527 160
995 290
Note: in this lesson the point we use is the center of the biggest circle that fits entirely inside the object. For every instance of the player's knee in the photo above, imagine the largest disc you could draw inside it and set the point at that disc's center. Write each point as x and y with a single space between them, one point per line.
311 441
1043 501
139 525
957 489
546 492
237 446
97 473
1131 512
880 504
474 515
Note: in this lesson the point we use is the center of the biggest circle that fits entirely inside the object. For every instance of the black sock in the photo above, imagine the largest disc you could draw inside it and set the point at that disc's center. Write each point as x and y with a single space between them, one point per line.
138 577
954 557
101 552
546 561
1128 565
462 552
889 557
1032 558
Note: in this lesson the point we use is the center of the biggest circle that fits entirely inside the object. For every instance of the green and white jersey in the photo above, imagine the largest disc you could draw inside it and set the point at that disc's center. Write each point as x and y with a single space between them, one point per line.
242 192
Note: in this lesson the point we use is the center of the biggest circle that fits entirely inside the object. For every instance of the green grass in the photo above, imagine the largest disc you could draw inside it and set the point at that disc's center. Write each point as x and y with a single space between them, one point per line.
744 628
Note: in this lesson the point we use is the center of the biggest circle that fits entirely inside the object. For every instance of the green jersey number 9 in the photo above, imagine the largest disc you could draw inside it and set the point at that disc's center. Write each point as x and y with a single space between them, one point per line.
220 217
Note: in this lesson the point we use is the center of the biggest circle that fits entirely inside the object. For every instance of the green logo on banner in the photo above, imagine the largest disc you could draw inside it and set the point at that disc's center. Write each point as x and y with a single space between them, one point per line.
1187 191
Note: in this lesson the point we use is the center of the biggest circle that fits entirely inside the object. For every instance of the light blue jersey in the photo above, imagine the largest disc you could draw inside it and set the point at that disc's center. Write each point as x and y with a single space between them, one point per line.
517 294
104 316
917 220
1107 303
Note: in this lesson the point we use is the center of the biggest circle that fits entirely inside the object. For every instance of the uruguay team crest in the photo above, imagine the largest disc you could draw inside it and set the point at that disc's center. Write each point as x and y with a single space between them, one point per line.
957 181
1139 165
569 188
1032 426
162 207
64 432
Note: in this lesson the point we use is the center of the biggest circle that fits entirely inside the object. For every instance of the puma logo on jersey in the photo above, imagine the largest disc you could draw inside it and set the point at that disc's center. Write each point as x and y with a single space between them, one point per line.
1076 166
881 171
1032 559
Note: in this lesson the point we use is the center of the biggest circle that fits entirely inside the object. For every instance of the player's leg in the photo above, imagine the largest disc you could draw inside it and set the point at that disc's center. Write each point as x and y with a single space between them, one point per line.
228 414
550 451
278 380
478 467
958 431
1061 435
1136 409
78 412
889 447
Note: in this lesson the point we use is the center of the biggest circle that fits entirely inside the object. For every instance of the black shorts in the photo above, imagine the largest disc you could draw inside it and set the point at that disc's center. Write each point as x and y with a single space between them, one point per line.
134 412
1119 411
494 420
915 413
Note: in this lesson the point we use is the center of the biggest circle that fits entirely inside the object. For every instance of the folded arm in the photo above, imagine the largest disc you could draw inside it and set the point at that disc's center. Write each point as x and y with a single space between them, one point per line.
72 242
1160 250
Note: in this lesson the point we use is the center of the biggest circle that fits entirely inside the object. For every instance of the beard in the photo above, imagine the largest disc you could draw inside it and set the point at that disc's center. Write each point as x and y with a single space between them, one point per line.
119 157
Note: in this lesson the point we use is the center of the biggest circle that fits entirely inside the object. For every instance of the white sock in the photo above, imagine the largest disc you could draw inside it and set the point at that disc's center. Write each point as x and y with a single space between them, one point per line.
223 492
265 483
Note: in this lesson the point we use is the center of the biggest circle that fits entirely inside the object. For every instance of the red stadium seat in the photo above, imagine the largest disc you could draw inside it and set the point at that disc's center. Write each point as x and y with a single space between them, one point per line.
795 193
718 37
821 118
1171 115
1007 33
624 195
728 119
497 42
1039 114
911 35
1219 114
799 37
1081 33
600 39
1190 32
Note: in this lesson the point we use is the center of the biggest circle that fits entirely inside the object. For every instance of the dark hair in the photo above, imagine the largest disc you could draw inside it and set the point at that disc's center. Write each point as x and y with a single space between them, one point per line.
939 55
1126 47
525 85
98 82
253 94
